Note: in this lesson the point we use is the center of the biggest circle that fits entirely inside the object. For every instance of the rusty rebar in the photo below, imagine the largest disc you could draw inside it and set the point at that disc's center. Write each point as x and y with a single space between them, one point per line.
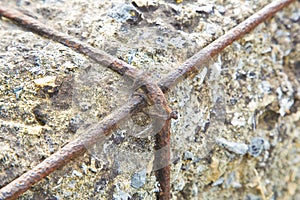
69 151
153 92
74 148
192 64
162 159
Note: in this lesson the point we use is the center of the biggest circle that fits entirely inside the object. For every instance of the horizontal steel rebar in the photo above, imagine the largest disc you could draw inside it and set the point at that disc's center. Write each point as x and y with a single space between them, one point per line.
77 146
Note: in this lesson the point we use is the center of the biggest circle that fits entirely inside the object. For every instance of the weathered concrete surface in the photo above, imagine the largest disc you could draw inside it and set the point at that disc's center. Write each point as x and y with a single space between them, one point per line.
238 132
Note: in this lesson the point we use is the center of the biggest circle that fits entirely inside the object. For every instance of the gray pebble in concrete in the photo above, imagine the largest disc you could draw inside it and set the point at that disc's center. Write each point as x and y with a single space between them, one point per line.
138 179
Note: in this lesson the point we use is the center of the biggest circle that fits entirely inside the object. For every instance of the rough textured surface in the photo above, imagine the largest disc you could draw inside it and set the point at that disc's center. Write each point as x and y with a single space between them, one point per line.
249 94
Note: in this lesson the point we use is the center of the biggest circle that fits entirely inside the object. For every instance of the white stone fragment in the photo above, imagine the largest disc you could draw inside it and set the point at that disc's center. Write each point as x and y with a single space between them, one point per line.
46 81
285 105
77 173
238 120
265 87
238 148
218 182
208 9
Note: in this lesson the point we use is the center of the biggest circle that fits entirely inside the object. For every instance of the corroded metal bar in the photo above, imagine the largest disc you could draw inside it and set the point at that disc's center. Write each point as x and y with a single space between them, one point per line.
162 159
41 29
71 150
153 92
21 184
192 65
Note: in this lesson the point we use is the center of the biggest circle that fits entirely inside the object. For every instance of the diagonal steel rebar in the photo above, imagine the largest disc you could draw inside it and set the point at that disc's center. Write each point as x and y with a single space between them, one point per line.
77 146
153 92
